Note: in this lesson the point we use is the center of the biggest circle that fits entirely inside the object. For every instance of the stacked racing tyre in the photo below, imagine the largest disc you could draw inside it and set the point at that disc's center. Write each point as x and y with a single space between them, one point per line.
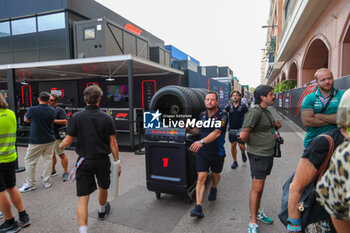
177 100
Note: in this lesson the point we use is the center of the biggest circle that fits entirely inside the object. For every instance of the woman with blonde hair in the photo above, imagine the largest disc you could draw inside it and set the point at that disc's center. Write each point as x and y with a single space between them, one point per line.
333 190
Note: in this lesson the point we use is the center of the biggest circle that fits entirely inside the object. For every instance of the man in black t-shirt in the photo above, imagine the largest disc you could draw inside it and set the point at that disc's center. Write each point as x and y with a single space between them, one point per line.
95 133
61 120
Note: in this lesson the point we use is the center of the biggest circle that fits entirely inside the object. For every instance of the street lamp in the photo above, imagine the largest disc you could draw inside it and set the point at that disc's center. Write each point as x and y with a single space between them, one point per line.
268 26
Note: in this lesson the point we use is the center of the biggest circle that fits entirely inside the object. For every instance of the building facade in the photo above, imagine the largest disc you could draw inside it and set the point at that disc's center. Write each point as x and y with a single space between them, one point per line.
310 34
42 30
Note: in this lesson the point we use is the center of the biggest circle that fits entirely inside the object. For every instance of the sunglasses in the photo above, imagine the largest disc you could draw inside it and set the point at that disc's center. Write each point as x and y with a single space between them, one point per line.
51 100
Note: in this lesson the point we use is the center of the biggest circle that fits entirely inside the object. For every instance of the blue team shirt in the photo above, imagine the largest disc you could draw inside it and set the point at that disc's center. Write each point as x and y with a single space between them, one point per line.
216 147
236 114
41 124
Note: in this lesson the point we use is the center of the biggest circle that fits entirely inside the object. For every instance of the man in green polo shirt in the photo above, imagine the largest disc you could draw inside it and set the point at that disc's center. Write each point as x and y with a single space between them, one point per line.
8 157
318 110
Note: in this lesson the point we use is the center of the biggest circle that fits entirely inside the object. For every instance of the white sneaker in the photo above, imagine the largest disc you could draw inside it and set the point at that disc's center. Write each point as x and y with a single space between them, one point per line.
253 228
26 187
47 185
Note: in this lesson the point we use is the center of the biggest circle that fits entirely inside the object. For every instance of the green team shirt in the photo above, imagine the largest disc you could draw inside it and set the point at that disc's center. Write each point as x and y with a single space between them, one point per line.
314 102
261 138
8 130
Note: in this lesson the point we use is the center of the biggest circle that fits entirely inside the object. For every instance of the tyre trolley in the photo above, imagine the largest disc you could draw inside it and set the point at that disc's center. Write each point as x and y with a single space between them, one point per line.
170 165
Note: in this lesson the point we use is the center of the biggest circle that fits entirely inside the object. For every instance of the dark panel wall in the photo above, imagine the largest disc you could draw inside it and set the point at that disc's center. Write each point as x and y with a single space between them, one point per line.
52 45
35 46
47 39
25 48
17 8
196 80
72 17
5 50
93 9
342 83
70 96
160 81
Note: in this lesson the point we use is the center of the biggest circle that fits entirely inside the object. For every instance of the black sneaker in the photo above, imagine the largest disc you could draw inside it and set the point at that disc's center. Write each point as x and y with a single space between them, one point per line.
9 228
244 157
103 215
212 194
54 173
197 212
24 220
234 165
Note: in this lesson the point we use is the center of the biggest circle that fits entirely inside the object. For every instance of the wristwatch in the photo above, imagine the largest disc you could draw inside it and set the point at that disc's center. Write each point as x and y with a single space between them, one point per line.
201 141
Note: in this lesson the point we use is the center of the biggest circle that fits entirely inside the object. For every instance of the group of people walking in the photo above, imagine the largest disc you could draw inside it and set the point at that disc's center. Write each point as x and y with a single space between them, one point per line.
45 120
255 127
325 111
95 134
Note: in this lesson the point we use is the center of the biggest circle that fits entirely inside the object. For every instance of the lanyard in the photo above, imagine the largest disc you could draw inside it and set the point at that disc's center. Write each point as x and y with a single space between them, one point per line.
268 115
327 101
324 100
74 171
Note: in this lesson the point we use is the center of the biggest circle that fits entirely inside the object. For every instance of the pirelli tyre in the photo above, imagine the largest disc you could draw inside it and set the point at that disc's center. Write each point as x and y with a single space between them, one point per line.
200 93
176 100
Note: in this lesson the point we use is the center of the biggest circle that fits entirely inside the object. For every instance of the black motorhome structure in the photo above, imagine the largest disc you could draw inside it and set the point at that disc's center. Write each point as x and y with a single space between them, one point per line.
42 30
128 83
63 46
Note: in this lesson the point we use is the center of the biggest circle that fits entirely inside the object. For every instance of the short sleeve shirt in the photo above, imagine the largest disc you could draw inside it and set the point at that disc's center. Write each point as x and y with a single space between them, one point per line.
333 190
236 115
316 102
317 150
261 139
93 129
61 114
41 124
216 147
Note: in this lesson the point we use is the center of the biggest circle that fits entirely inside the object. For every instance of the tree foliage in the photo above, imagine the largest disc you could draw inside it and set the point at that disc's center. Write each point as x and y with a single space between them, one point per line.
285 85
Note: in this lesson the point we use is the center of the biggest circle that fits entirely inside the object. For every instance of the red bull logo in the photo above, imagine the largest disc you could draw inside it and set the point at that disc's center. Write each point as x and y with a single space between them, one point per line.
172 132
158 131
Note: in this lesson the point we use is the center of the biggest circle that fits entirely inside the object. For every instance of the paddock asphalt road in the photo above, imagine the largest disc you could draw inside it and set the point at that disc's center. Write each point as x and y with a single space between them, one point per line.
137 209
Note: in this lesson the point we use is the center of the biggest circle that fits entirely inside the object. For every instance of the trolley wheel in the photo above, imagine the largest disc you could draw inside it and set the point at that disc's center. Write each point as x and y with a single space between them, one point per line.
158 195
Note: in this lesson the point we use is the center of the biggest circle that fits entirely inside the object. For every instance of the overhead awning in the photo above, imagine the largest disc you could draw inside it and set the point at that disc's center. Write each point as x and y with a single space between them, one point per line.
96 67
107 67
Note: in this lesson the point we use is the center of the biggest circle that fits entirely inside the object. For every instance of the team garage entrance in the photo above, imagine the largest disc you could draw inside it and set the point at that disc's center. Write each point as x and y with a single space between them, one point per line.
128 83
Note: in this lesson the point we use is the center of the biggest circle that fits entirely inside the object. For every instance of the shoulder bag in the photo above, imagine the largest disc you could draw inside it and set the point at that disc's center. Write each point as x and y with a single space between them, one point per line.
309 194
